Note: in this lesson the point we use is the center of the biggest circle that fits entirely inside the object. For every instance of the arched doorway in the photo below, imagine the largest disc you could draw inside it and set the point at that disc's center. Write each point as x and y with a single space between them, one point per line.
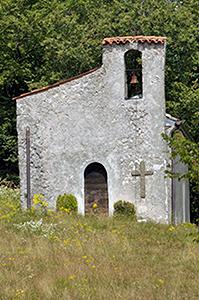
95 188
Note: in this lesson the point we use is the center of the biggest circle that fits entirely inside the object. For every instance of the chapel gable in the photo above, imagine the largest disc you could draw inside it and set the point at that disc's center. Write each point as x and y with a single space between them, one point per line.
98 136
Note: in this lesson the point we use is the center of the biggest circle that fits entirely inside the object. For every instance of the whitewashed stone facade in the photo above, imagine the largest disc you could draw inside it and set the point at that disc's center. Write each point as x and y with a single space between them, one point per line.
88 119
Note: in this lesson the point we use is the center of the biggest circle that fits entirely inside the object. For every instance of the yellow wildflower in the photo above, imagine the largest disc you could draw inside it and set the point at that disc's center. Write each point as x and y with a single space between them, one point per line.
171 228
161 281
66 210
72 277
66 242
19 293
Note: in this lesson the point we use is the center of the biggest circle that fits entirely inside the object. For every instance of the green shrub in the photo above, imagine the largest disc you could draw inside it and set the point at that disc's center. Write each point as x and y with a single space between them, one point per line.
66 203
124 208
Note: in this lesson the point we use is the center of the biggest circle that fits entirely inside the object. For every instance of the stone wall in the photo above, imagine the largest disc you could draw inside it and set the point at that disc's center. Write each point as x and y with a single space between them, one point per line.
89 120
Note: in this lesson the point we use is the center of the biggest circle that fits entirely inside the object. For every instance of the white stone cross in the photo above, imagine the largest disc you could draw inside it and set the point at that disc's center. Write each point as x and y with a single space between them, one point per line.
142 173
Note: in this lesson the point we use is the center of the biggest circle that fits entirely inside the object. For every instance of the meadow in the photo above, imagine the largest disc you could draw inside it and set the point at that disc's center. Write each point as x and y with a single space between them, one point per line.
49 255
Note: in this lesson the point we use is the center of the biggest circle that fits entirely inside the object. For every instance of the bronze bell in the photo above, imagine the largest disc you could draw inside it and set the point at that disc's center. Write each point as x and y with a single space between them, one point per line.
134 79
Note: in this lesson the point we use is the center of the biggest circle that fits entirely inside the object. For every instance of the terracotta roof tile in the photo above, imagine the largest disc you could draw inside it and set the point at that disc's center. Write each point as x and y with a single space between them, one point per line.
131 39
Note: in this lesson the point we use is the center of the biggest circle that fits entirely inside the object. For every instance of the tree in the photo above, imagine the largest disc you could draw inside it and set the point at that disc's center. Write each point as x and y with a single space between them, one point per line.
45 41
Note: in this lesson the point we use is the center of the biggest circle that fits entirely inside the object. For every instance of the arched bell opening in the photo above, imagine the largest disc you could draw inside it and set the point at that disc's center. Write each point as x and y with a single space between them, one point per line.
133 66
95 188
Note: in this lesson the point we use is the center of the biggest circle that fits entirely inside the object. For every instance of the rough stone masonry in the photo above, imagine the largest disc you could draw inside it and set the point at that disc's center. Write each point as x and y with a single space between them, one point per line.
88 119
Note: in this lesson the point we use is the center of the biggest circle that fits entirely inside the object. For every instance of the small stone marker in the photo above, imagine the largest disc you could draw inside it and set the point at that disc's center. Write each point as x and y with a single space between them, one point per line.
142 173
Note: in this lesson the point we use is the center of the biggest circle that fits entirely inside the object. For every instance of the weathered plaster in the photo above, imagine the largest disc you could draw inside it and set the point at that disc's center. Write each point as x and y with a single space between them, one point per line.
88 120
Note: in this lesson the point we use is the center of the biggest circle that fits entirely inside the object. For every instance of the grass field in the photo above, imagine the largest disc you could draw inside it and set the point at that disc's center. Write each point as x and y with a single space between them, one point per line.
58 256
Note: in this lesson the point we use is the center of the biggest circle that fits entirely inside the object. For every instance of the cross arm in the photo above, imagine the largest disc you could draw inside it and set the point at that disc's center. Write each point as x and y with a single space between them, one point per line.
149 173
135 173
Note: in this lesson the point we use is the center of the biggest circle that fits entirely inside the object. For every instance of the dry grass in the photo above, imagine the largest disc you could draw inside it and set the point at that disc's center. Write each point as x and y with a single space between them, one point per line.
95 258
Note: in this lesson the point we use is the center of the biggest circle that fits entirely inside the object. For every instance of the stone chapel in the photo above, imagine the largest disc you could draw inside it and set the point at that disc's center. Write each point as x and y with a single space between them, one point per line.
98 136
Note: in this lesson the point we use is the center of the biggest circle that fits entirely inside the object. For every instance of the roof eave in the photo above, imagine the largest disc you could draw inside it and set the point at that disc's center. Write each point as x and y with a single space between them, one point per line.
61 82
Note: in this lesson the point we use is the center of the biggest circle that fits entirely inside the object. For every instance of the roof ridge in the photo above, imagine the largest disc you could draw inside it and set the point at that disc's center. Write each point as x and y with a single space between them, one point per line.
130 39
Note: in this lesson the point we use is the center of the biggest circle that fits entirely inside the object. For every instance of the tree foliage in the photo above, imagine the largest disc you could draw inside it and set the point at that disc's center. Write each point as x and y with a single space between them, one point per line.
188 152
43 41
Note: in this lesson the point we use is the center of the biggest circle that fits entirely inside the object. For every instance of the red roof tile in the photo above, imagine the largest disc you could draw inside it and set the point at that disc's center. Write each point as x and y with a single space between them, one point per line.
131 39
